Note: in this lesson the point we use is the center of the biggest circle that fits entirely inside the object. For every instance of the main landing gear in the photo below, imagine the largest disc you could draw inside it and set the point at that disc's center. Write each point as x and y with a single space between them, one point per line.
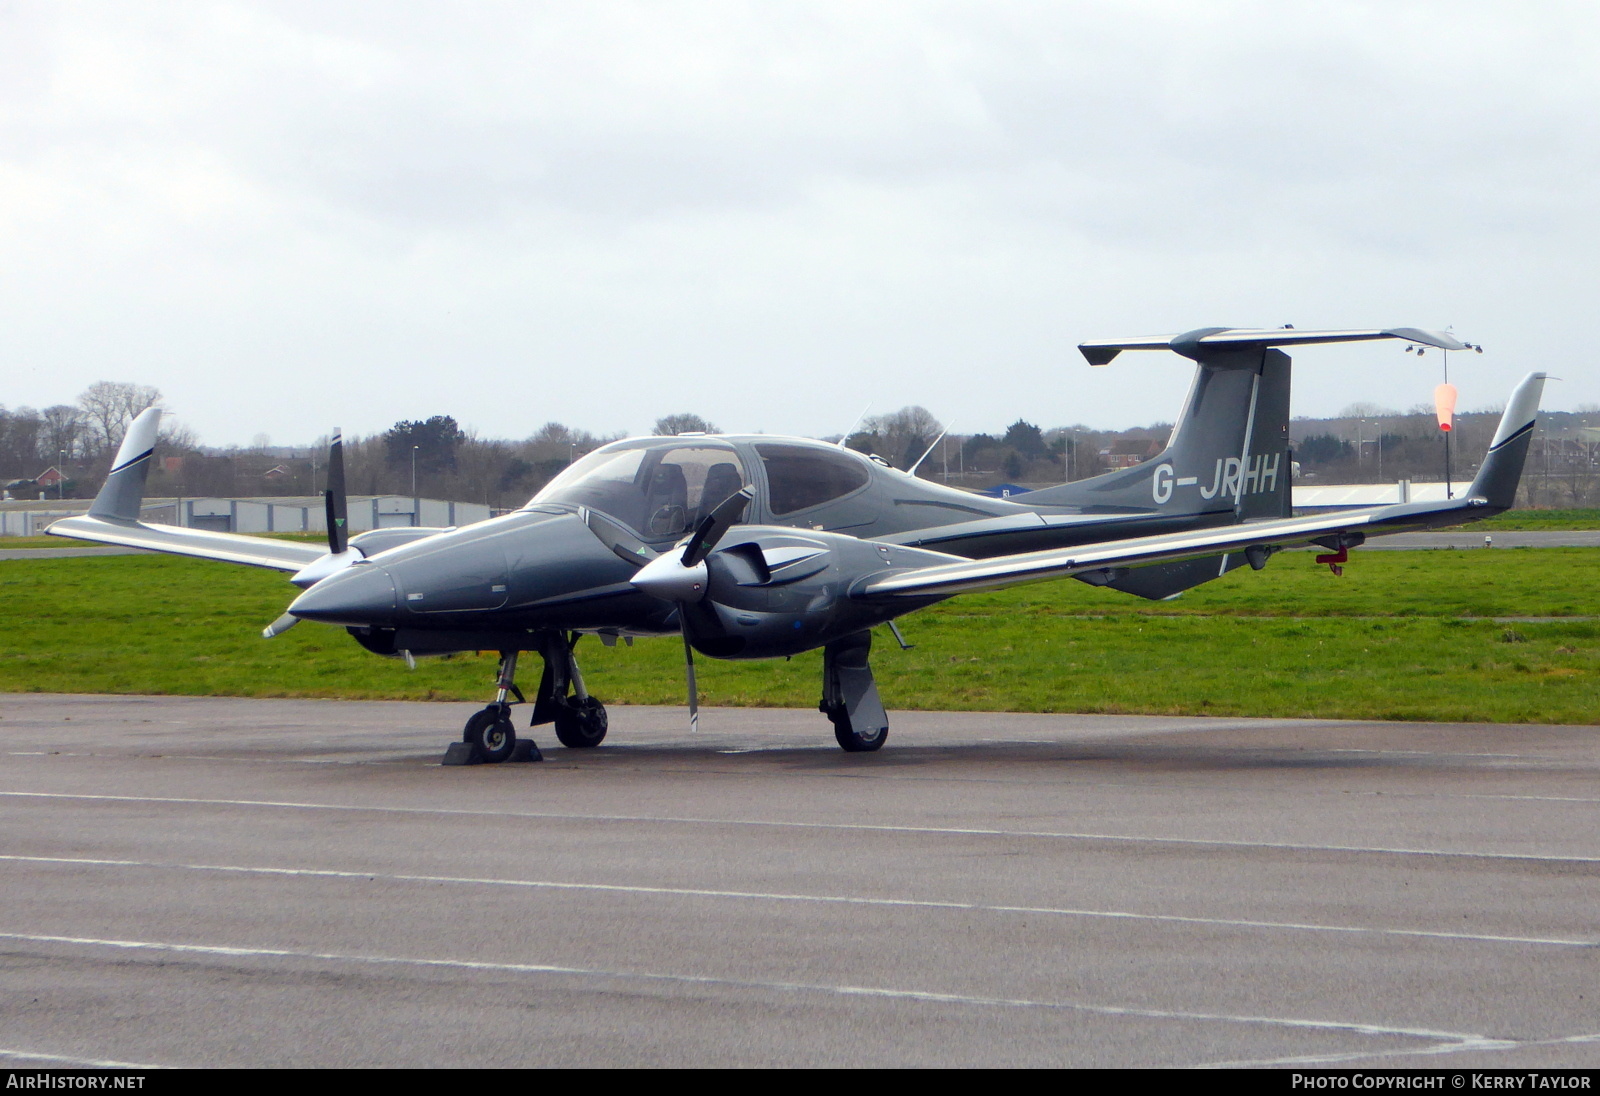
850 695
580 719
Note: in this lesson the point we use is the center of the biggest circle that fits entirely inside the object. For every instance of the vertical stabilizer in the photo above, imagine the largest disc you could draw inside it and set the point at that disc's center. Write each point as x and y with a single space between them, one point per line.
1497 479
119 499
1227 457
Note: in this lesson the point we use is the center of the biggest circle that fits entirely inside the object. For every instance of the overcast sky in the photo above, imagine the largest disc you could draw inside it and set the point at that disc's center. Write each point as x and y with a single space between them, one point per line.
289 216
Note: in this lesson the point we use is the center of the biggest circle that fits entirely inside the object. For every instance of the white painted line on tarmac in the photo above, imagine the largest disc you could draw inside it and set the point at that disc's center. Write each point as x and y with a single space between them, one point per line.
72 1061
945 831
823 899
1443 1039
1443 1048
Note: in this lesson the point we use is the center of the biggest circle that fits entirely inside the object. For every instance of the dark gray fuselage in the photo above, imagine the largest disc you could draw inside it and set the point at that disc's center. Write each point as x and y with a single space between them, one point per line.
564 561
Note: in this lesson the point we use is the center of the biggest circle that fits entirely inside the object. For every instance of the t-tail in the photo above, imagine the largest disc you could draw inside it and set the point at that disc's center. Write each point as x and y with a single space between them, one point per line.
1228 458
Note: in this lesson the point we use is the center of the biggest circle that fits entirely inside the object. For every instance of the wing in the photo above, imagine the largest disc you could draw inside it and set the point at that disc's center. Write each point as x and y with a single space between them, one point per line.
1494 490
279 555
113 517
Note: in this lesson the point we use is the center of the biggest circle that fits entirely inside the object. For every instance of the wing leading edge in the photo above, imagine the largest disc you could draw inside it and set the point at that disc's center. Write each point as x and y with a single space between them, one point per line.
1493 491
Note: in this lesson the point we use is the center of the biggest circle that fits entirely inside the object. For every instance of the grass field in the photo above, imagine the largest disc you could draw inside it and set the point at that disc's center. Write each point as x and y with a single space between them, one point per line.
1403 635
1521 520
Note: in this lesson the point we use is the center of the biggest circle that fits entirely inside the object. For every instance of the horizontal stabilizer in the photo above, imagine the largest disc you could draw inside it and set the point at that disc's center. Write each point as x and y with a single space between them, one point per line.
1199 343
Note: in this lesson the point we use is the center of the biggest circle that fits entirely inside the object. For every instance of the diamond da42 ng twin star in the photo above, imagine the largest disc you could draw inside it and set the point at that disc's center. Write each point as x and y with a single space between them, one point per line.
761 547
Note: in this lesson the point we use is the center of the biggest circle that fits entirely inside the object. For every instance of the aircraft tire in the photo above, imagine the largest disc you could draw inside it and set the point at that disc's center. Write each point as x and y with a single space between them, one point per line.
849 741
581 724
491 733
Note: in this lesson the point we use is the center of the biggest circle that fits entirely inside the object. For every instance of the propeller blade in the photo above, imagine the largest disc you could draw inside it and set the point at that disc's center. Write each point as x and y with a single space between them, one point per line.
688 663
334 498
279 626
715 524
616 537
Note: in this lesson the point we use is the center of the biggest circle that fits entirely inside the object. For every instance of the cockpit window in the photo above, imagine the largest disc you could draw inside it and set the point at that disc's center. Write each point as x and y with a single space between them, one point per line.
660 493
802 476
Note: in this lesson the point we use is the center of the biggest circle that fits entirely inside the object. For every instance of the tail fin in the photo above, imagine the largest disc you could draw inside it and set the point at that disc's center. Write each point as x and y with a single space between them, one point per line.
119 499
1497 479
1227 456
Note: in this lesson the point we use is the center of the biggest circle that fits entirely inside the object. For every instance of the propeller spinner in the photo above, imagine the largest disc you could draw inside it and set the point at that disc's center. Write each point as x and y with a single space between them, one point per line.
682 577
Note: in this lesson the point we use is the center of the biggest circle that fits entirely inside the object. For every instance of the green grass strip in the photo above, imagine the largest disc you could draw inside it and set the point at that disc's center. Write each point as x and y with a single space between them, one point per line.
1403 635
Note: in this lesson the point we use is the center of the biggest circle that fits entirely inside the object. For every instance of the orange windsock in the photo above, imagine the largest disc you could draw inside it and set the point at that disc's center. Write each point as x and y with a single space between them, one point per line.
1444 405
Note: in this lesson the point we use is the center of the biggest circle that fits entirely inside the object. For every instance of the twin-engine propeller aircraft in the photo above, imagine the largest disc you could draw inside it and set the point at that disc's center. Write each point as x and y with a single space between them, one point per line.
760 547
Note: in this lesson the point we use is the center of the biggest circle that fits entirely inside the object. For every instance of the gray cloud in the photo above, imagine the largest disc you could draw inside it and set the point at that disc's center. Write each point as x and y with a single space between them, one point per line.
286 215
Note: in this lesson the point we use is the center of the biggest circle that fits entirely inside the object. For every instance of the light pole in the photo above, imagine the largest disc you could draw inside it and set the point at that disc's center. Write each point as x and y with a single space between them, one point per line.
61 476
414 473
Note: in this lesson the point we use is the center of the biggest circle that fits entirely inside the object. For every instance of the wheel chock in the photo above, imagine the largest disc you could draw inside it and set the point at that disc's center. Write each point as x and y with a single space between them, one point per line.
463 753
524 750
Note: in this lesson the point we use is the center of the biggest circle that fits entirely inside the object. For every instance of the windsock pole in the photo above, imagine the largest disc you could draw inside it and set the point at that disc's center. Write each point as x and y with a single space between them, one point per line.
1444 408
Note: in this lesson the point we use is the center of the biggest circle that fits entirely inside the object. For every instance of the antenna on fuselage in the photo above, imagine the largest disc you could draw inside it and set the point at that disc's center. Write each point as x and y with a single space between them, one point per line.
913 469
848 434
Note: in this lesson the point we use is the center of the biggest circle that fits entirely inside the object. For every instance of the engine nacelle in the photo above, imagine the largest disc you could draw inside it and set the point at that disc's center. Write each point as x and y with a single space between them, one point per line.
776 591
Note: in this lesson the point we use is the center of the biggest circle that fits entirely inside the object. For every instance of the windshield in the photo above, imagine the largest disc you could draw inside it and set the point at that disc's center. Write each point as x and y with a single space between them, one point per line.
660 492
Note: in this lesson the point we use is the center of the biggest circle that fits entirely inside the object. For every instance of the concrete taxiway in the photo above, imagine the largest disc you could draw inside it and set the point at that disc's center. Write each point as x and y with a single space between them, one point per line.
199 882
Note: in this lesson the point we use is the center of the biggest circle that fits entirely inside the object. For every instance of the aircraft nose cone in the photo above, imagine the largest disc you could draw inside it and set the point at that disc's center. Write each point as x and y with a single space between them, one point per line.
363 594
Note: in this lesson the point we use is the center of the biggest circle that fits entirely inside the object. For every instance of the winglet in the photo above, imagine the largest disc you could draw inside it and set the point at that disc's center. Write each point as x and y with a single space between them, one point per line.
123 492
1497 479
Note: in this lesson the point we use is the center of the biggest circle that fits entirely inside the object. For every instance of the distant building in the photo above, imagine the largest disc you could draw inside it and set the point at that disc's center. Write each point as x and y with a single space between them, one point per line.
1127 452
292 514
1347 496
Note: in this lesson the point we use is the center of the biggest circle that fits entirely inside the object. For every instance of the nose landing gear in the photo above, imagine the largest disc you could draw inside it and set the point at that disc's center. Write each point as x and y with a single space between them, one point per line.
489 736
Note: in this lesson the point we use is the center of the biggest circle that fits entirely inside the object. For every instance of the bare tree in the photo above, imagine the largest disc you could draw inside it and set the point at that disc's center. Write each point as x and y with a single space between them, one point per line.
109 406
1365 410
684 423
62 432
19 442
479 465
903 435
176 438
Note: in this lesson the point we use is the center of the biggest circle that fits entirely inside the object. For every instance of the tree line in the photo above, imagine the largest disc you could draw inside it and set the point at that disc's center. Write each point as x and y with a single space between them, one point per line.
436 457
78 439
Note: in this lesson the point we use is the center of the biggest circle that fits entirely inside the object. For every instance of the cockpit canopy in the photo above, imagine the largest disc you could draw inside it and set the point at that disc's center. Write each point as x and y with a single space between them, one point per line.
659 490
